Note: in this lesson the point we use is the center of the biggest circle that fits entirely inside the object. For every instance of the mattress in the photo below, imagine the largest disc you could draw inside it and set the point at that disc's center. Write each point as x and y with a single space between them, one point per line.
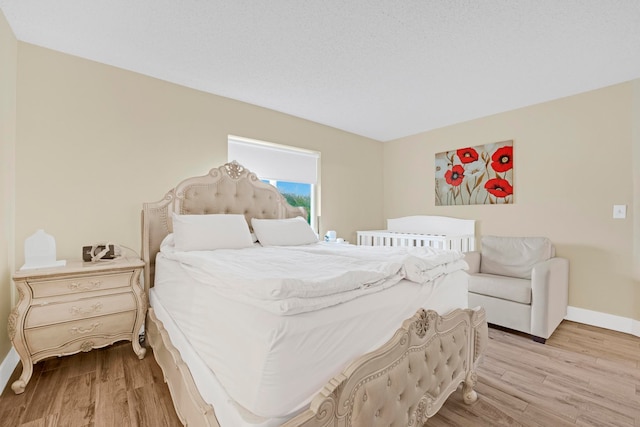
268 367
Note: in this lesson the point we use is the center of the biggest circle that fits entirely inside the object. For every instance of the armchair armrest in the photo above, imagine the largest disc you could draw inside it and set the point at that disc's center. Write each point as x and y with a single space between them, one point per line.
473 259
549 295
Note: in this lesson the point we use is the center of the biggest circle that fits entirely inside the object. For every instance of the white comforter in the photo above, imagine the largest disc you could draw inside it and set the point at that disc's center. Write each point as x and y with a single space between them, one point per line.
296 279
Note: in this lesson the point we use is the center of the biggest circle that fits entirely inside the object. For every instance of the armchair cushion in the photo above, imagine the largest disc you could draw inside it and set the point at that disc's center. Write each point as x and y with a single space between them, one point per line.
506 288
513 256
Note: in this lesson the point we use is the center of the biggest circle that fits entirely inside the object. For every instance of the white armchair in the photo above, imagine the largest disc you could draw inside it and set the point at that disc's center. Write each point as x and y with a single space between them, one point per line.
520 283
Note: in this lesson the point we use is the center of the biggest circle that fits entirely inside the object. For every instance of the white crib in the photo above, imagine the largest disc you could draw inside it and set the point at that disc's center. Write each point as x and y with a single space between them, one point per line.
423 230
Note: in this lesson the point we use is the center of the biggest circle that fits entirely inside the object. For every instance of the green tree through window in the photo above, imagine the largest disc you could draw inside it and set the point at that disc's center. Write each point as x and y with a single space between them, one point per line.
296 194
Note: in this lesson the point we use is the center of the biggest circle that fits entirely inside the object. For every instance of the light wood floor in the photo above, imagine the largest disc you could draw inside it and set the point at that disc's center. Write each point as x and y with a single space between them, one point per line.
107 387
583 376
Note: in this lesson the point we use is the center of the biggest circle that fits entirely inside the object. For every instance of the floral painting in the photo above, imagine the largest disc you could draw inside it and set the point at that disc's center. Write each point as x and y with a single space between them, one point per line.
475 175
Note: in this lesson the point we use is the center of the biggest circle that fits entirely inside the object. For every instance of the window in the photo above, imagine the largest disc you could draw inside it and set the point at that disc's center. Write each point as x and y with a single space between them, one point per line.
293 171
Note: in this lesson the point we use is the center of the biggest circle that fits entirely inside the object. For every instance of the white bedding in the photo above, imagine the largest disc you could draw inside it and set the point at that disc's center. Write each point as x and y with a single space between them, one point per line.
296 279
272 365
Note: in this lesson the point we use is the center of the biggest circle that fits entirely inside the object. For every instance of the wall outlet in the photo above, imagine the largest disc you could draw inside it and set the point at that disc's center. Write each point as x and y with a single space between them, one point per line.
619 211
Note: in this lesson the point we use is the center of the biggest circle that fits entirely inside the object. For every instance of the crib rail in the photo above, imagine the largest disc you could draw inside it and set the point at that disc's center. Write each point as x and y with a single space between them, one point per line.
463 243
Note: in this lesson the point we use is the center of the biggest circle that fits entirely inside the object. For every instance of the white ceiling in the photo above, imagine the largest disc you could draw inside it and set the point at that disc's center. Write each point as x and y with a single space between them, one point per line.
379 68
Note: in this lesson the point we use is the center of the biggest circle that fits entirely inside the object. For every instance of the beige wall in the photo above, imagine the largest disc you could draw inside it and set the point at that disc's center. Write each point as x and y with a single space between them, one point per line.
95 141
573 161
8 66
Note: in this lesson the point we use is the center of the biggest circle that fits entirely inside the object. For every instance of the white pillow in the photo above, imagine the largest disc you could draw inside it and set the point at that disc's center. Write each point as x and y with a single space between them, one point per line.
283 232
209 232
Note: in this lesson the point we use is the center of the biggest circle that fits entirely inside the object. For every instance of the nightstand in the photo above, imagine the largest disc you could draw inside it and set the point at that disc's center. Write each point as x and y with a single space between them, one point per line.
79 307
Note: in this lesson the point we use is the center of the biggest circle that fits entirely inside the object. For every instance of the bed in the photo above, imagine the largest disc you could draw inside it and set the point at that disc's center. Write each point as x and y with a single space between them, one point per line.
389 356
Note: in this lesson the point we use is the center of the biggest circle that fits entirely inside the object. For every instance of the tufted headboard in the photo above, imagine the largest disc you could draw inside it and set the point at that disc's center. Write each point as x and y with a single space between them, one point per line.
228 189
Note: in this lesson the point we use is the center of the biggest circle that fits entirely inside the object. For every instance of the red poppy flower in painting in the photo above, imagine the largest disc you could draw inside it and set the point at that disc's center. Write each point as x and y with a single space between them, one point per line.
467 155
455 175
499 187
502 159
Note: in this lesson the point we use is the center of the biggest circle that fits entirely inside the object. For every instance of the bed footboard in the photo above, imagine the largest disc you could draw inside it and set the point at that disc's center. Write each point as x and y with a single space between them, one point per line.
408 379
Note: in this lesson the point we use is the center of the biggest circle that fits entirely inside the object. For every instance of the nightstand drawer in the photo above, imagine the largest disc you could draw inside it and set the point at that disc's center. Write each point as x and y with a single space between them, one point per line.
41 315
55 336
46 288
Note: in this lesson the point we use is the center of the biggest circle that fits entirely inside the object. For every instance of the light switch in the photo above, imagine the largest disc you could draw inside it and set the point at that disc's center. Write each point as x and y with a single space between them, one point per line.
619 211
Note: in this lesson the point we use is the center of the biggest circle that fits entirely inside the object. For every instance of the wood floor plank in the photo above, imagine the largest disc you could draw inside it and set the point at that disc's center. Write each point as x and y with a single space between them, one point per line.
15 414
621 389
557 400
40 422
604 412
601 419
555 364
149 408
81 363
48 421
468 416
498 395
610 336
112 404
78 404
52 363
607 350
110 364
12 406
49 383
537 416
484 411
138 374
613 370
588 398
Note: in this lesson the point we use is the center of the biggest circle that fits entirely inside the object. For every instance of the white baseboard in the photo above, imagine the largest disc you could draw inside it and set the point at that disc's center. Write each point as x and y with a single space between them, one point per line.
604 320
635 329
7 367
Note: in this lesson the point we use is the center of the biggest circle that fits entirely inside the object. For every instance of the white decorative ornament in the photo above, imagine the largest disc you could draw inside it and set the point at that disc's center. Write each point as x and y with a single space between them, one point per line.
40 251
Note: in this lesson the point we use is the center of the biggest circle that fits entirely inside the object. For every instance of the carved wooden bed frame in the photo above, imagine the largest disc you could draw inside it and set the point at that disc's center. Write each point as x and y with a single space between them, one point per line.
407 379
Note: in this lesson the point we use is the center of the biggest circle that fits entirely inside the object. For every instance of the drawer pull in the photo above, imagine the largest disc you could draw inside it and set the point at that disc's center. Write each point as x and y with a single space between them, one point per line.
79 330
79 310
93 284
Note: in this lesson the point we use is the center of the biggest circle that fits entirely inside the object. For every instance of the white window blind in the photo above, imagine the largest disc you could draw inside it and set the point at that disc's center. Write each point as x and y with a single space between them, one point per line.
274 162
